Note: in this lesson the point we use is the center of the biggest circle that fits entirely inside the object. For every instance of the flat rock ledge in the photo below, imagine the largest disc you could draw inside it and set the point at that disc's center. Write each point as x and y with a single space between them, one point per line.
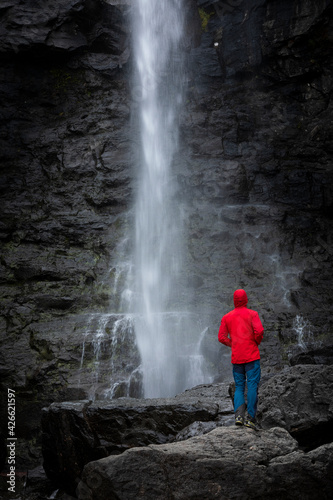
75 433
227 463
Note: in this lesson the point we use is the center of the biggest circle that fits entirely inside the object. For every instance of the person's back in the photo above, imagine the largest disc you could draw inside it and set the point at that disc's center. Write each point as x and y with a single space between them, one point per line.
241 329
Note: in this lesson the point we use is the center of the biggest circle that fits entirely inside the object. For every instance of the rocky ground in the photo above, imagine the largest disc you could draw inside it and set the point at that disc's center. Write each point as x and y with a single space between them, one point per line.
187 447
226 463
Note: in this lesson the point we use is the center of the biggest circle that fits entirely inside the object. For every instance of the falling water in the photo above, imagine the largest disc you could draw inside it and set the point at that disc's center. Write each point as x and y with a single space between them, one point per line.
166 337
303 331
109 361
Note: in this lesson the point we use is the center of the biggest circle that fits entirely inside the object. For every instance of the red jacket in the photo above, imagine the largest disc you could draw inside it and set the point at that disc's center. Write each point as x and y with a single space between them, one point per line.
244 329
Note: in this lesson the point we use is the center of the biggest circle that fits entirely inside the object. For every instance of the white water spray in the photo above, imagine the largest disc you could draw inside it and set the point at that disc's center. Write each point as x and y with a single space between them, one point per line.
303 330
166 337
105 371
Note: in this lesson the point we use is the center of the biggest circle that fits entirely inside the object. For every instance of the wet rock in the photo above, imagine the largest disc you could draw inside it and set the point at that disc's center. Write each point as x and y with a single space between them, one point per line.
66 27
226 463
55 248
37 484
295 418
312 354
277 47
25 24
299 399
77 433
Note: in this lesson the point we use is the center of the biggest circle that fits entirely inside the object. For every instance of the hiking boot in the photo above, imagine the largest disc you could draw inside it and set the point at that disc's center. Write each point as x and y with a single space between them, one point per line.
239 420
239 415
251 423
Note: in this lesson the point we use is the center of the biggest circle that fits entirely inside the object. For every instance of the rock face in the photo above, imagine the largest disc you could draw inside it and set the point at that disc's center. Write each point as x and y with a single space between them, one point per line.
312 354
96 26
300 400
77 433
65 185
254 179
259 164
226 463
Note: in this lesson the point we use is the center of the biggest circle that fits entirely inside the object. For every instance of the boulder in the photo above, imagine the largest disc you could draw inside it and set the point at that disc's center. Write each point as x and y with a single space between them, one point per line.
300 399
75 433
226 463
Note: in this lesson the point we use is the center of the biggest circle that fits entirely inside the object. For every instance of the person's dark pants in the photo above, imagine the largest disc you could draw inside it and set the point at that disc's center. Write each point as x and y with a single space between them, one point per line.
250 373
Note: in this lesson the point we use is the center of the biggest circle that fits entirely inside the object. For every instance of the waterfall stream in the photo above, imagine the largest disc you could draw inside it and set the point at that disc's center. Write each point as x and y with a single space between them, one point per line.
168 338
151 344
303 330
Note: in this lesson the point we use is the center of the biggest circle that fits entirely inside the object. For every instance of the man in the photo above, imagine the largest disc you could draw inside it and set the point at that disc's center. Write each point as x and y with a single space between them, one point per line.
241 329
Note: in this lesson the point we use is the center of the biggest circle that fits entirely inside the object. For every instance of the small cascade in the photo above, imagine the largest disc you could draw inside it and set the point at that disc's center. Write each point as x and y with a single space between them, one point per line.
309 347
303 331
123 383
92 350
198 367
109 359
98 344
284 279
121 274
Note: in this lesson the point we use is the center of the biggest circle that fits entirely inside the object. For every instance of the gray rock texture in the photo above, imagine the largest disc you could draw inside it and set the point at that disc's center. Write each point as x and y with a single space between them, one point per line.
65 188
226 463
295 418
76 433
300 399
312 354
67 26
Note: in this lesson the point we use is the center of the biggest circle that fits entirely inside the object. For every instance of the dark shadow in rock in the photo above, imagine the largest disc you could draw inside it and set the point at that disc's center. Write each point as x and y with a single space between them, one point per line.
315 436
312 355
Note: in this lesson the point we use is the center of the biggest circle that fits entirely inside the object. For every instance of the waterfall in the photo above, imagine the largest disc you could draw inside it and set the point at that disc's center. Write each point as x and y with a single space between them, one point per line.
168 338
109 361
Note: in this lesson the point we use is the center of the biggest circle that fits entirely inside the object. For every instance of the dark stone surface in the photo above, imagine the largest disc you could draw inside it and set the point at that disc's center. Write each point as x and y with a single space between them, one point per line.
66 26
65 186
226 463
299 399
76 433
312 354
295 418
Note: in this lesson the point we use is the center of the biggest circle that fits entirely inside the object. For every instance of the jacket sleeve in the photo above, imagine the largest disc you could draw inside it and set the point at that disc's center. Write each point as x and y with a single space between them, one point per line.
223 333
258 329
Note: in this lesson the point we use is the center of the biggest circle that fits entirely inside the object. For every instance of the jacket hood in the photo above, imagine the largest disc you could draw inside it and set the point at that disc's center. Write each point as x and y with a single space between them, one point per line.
240 298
